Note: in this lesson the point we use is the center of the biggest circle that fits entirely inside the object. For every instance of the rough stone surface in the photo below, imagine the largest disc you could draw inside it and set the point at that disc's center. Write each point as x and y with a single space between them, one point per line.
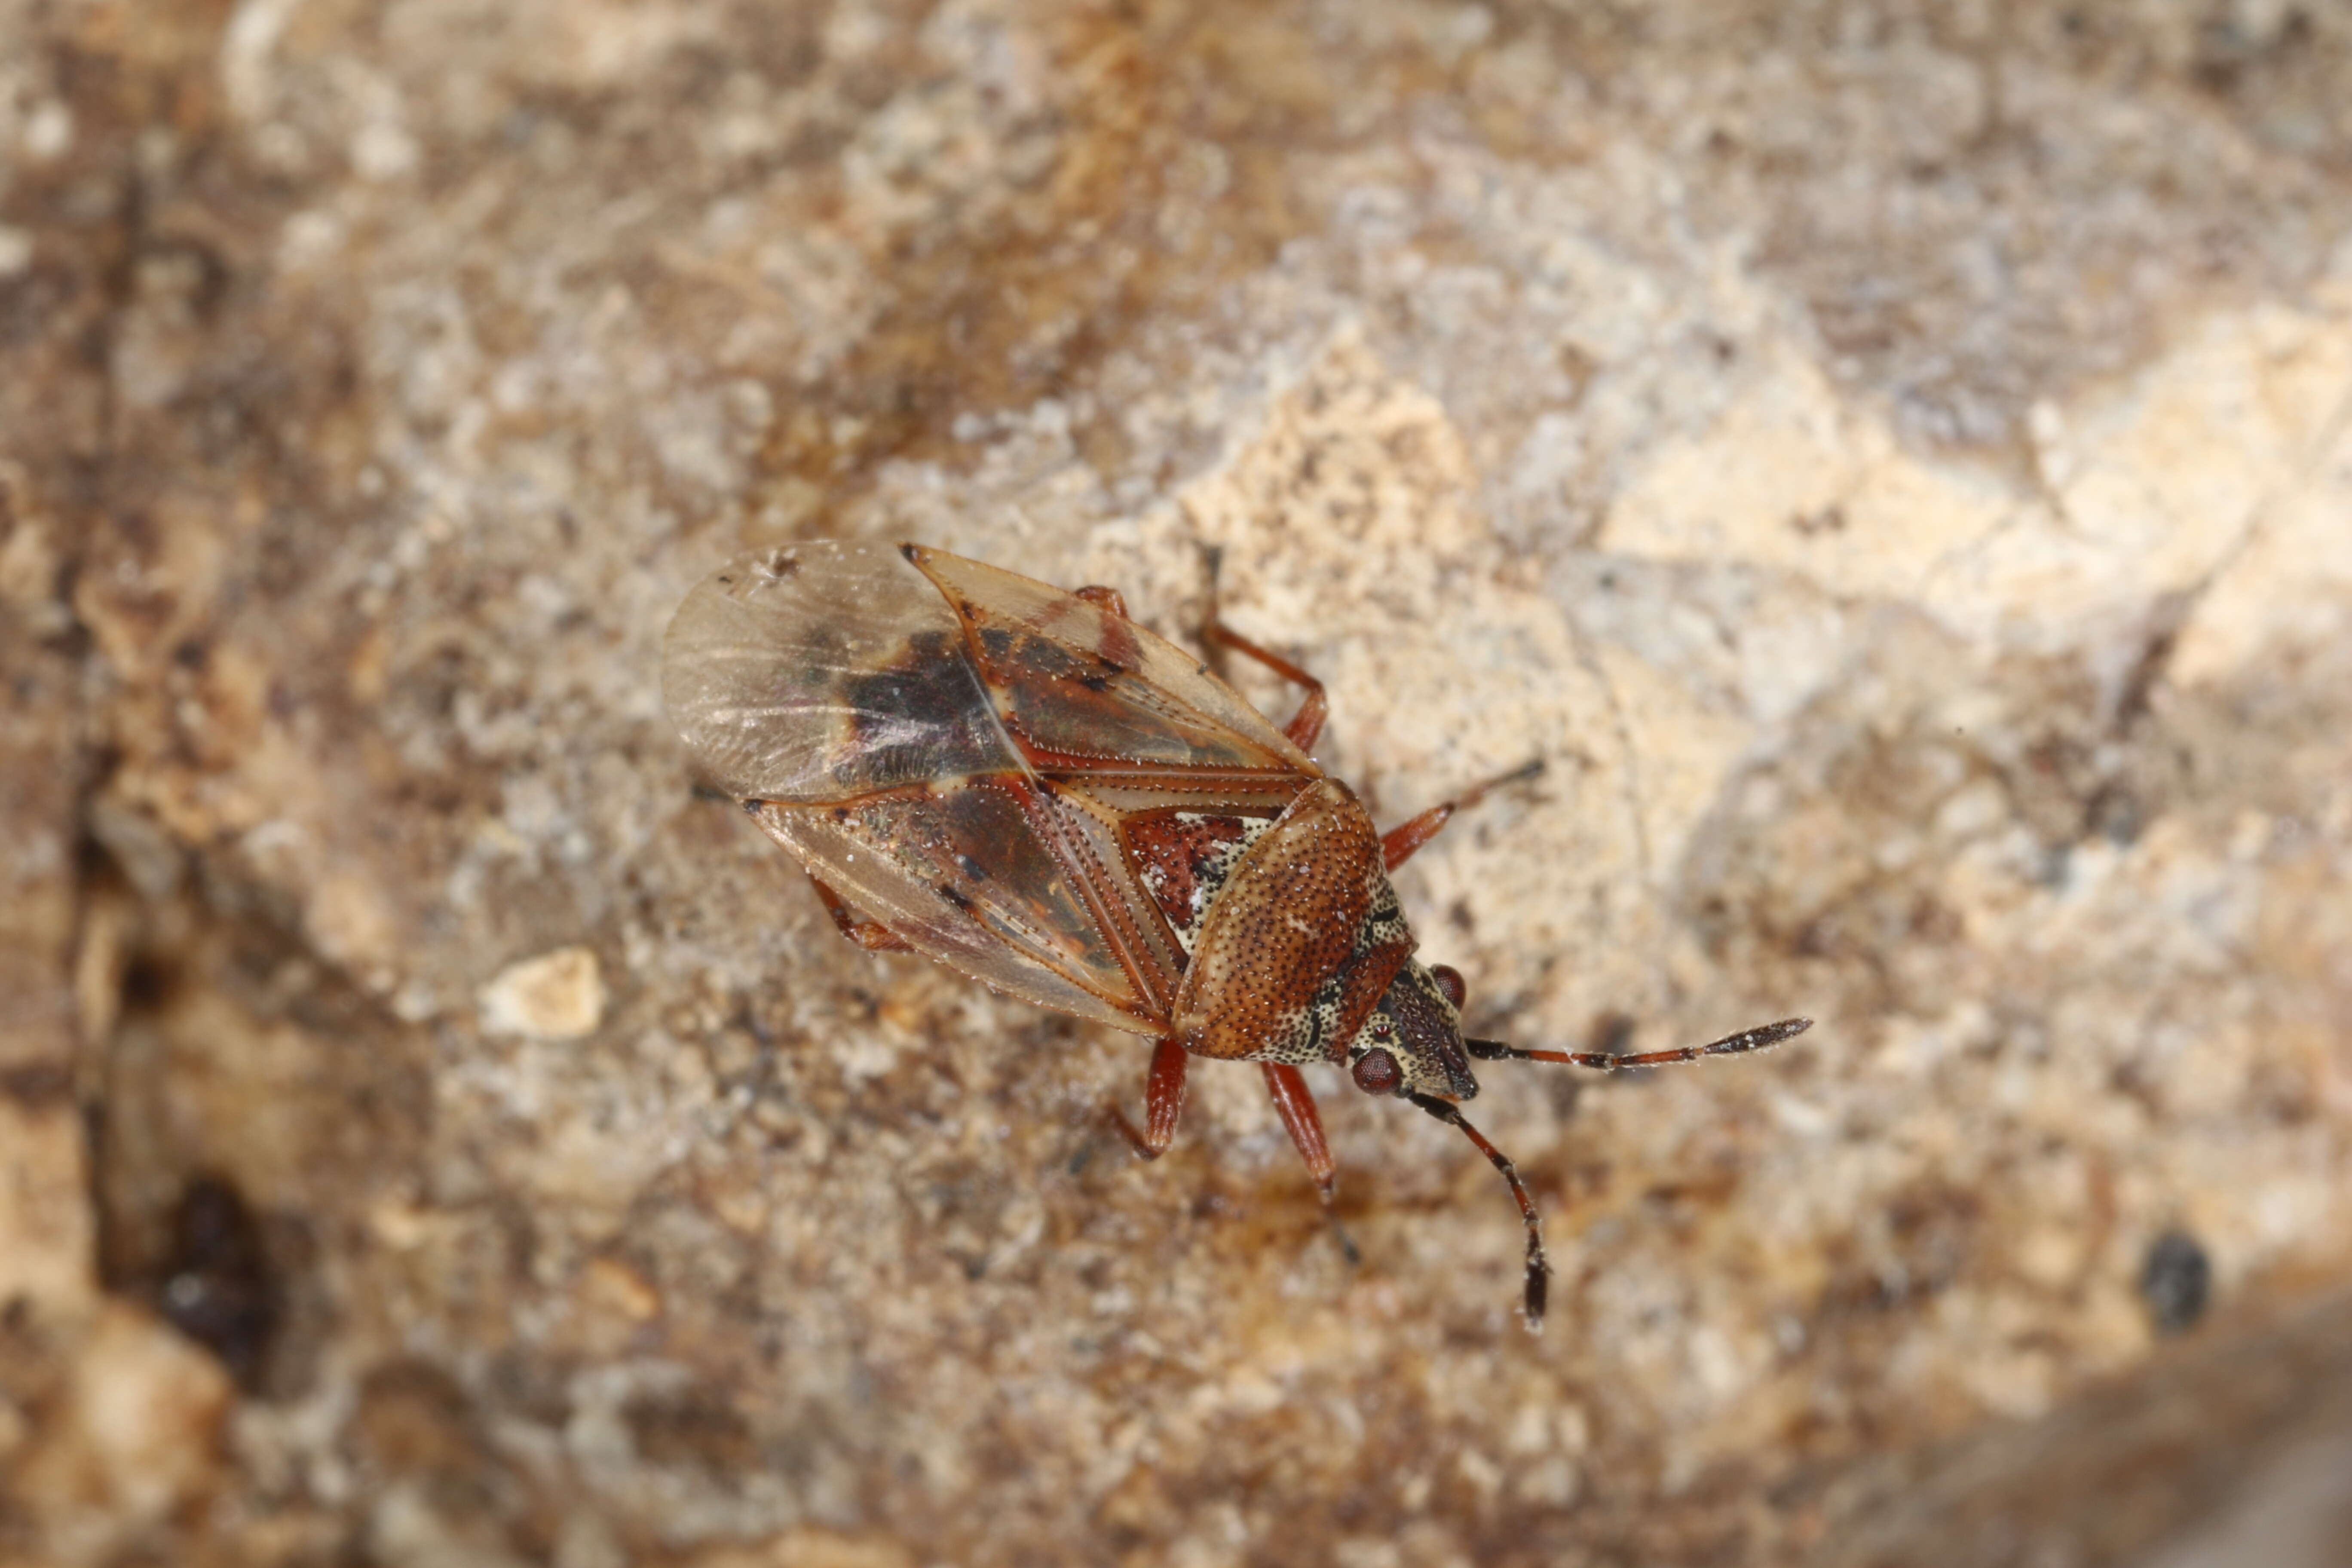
1892 463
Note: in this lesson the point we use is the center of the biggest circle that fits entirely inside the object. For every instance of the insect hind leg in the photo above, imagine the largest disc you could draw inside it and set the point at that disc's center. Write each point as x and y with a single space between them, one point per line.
871 935
1398 843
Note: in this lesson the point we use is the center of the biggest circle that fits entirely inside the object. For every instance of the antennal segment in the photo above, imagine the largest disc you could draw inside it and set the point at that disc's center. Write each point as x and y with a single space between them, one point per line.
1609 1061
1538 1266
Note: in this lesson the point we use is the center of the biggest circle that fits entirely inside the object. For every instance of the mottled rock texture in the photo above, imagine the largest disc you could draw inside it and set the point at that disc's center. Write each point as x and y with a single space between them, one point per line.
1890 461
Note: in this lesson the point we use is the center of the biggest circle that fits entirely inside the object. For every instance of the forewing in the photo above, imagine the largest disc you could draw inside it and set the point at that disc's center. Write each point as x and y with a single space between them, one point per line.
968 875
826 670
1073 681
899 720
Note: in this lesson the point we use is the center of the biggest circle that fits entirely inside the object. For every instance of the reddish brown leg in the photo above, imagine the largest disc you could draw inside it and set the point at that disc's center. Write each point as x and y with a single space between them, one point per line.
1295 1104
871 935
1398 843
1104 598
1163 1102
1305 726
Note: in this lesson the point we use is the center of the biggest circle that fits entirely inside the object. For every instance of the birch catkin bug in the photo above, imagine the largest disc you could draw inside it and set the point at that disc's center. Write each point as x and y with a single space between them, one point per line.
1024 785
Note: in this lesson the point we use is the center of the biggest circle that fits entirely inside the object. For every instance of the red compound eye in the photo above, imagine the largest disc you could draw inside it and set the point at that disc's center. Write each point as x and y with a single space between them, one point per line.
1376 1072
1449 980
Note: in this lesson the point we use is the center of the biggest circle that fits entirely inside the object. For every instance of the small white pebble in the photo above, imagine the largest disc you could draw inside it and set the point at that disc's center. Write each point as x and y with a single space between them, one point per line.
558 996
49 131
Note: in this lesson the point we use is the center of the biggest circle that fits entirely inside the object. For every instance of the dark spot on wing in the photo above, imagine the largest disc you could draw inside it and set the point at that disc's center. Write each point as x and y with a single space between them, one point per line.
1052 660
925 701
956 896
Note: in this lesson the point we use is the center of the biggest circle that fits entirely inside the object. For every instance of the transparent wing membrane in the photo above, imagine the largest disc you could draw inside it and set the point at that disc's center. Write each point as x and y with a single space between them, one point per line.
1077 682
823 671
1017 921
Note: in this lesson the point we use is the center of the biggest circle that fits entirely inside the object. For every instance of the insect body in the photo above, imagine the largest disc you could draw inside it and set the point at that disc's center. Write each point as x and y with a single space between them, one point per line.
1020 782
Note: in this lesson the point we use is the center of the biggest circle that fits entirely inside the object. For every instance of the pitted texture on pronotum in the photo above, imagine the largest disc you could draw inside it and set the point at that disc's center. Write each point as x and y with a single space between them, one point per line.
1302 902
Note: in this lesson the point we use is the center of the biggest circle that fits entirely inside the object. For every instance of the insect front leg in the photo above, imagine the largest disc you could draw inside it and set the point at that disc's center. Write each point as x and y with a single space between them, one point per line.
1163 1102
1295 1105
871 935
1398 843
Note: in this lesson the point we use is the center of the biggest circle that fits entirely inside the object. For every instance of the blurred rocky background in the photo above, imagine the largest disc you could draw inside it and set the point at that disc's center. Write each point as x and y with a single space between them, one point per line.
1890 460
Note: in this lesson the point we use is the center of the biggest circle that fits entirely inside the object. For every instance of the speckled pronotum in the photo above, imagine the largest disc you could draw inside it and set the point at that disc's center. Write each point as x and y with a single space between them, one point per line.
1024 785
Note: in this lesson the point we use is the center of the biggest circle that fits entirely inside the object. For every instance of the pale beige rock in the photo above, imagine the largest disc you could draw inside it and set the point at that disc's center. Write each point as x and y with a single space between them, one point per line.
557 996
135 1439
2152 490
810 1549
46 1242
1890 467
2288 585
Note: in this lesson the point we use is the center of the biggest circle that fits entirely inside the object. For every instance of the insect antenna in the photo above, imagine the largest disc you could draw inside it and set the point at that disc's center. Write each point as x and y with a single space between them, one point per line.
1609 1061
1538 1266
